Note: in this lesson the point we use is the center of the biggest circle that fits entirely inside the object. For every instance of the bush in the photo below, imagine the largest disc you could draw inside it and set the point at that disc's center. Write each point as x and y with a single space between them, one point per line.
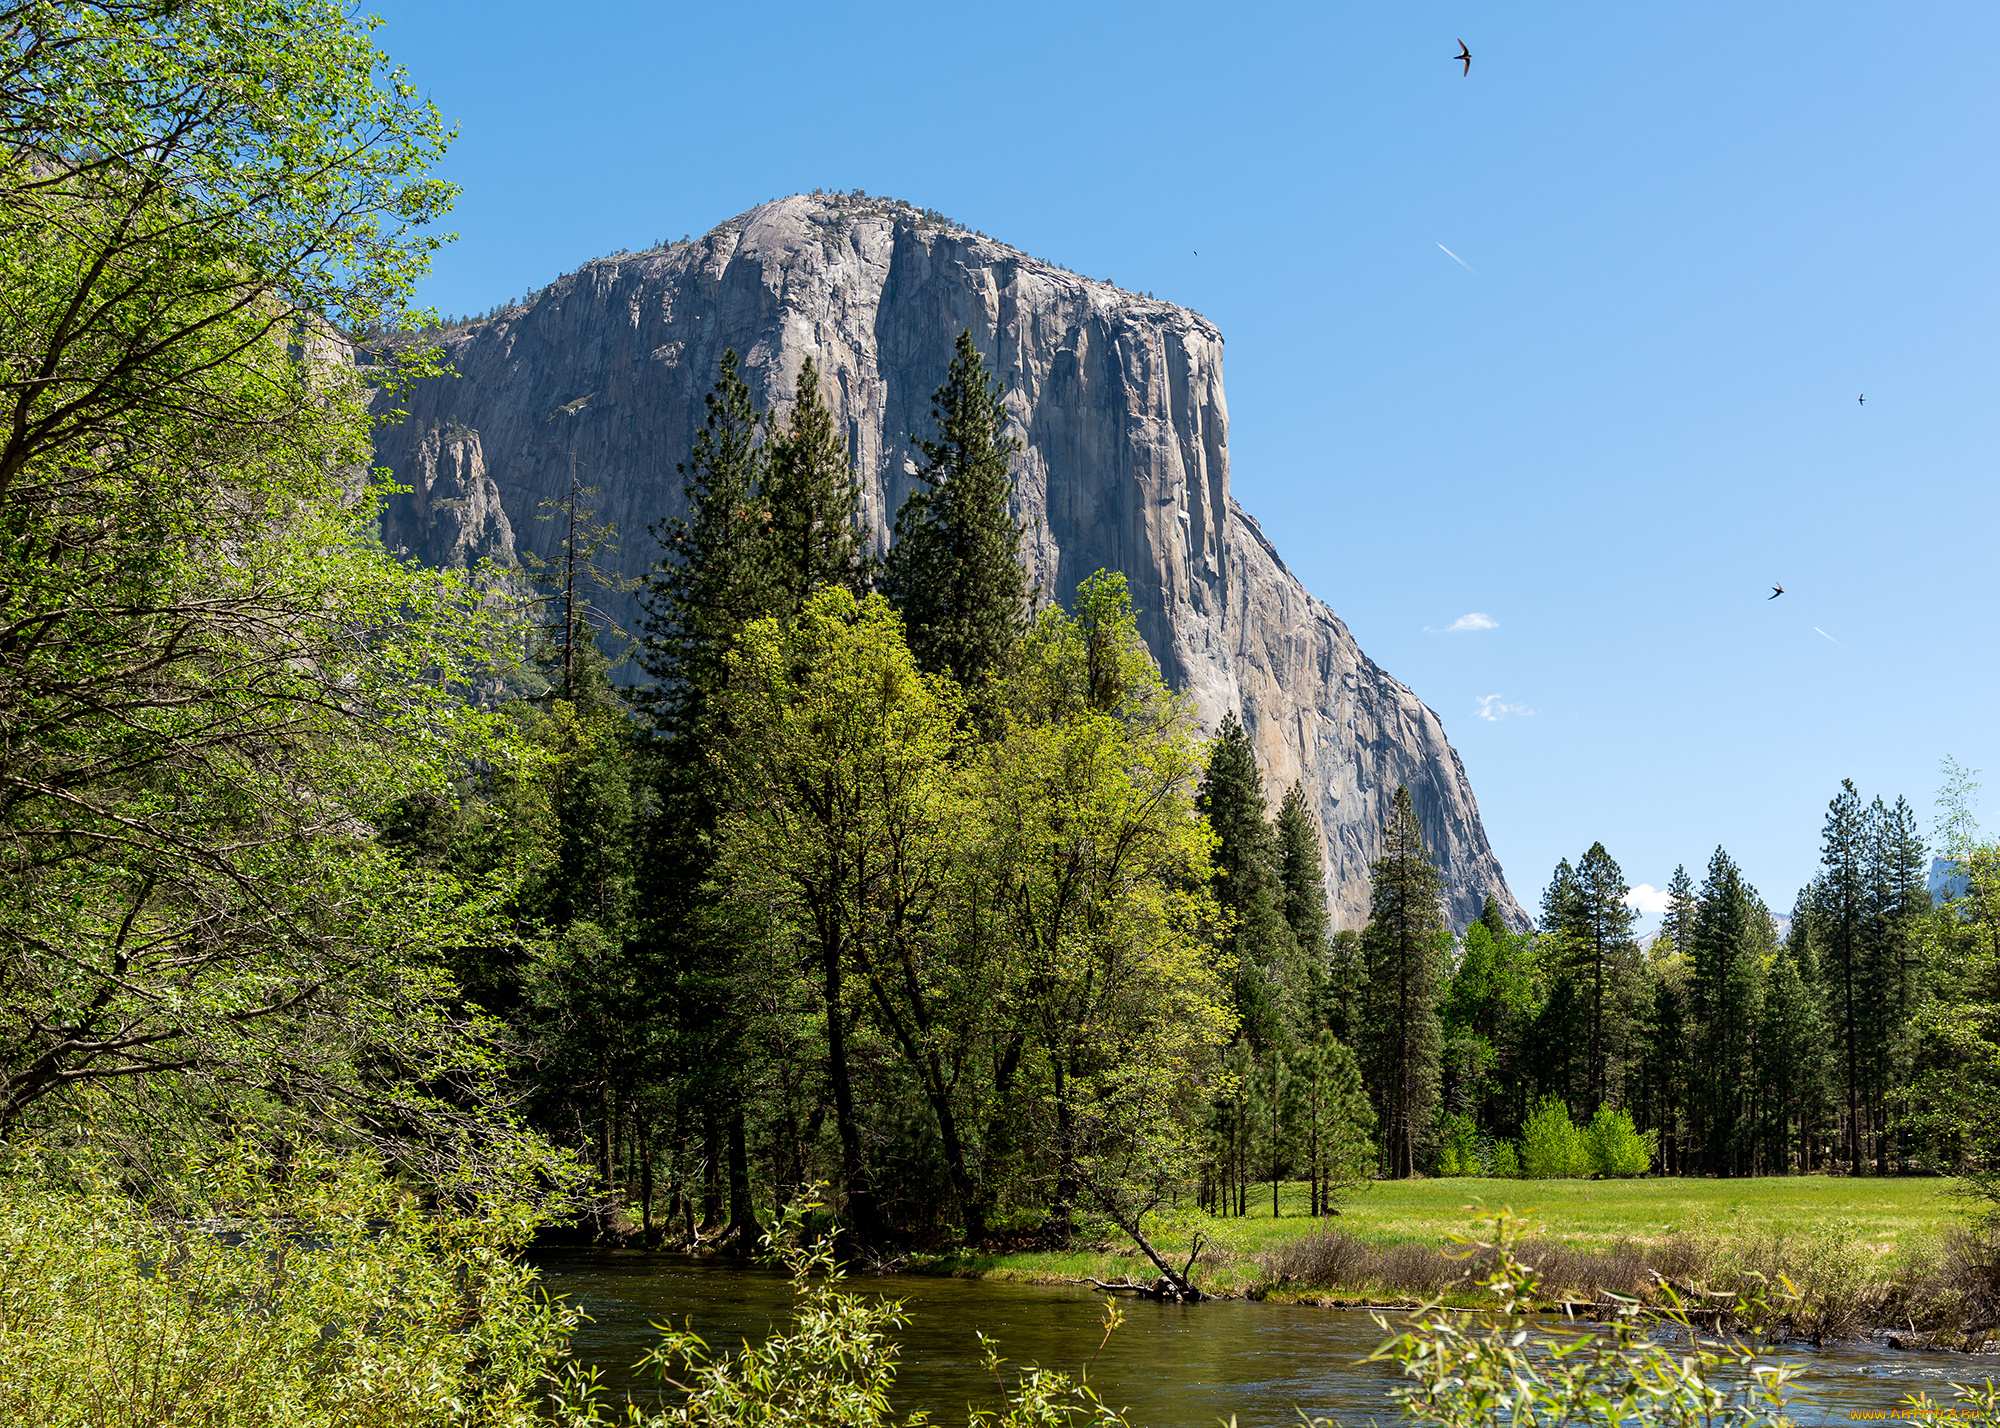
1553 1147
1617 1149
327 1300
1506 1164
1458 1147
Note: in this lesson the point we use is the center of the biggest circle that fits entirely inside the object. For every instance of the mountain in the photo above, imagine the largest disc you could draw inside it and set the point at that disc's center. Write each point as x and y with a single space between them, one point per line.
1116 398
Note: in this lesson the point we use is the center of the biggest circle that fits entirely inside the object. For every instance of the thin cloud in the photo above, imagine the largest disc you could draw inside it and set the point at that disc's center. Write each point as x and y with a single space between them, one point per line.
1647 899
1825 636
1493 708
1465 624
1458 260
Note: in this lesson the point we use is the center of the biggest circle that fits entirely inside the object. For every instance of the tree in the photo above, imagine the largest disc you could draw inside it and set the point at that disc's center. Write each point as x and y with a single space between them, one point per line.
713 576
1489 1013
1839 905
1100 869
1791 1054
1302 875
815 534
838 810
216 685
1272 990
1731 935
1401 946
1336 1123
953 569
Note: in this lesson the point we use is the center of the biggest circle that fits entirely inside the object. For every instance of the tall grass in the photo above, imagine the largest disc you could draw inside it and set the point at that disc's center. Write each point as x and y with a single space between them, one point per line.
1822 1282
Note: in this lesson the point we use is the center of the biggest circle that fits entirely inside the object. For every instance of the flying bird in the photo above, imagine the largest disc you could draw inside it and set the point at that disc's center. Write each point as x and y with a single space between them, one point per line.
1465 55
1862 399
1776 591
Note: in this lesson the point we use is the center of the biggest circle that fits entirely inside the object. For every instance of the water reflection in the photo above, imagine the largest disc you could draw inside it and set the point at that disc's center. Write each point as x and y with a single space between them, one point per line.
1171 1366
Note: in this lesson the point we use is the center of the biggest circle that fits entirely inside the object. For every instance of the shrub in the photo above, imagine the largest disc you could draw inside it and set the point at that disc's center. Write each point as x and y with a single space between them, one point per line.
1552 1145
325 1300
1617 1149
1506 1164
1458 1147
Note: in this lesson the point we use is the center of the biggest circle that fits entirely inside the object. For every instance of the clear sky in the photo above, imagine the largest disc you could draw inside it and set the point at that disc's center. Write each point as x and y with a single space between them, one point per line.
1688 237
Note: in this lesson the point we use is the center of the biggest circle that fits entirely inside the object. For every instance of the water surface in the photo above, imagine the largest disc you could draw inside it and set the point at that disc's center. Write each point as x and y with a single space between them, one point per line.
1171 1366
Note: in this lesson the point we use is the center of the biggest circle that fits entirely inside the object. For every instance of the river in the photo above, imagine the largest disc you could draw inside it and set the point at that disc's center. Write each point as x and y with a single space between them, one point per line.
1171 1366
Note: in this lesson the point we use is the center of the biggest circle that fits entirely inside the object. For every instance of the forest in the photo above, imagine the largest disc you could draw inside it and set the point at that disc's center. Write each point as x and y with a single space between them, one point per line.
1016 945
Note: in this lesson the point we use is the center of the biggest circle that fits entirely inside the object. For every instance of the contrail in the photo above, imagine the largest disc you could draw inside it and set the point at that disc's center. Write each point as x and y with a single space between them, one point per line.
1825 636
1460 261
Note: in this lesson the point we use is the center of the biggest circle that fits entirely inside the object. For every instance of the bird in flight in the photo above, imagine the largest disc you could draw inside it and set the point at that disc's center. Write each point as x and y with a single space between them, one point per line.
1862 399
1776 591
1465 55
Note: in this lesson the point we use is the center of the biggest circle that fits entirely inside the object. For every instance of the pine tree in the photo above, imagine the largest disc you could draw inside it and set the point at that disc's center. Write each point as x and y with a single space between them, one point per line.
1729 944
1268 998
953 569
1663 1101
1897 897
714 572
1401 945
1302 871
1586 907
1839 910
1791 1058
815 534
713 577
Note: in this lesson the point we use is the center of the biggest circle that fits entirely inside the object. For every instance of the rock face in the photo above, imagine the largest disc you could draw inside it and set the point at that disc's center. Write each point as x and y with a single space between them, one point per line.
1117 400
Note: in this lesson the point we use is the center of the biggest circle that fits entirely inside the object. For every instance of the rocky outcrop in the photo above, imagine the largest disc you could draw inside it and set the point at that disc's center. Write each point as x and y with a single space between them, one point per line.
451 514
1116 398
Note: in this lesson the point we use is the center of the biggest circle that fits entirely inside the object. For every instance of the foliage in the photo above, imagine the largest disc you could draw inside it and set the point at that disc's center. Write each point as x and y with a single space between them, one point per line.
953 568
216 685
1553 1147
319 1294
1617 1150
1401 945
1274 988
1485 1369
842 810
1099 871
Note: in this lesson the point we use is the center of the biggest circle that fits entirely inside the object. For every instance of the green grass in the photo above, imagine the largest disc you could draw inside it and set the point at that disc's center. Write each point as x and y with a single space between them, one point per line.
1898 1220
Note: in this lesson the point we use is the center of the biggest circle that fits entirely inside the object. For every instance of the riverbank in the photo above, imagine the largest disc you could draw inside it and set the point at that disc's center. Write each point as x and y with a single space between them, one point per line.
1857 1252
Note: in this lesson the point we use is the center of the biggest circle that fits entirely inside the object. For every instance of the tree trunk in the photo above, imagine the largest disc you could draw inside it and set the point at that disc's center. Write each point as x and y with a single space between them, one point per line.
711 1170
743 1227
854 1177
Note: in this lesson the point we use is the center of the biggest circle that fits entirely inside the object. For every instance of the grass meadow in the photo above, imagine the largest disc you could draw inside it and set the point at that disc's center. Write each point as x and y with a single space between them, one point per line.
1392 1240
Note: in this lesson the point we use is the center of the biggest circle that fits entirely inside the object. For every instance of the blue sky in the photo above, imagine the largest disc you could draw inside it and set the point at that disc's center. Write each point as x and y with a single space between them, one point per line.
1691 236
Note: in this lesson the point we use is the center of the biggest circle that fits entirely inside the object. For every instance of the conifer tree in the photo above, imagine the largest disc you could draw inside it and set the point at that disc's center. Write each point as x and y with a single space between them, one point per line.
1401 945
713 578
1586 907
954 569
714 572
1268 997
1839 909
1662 1101
1302 874
1791 1057
1732 932
815 535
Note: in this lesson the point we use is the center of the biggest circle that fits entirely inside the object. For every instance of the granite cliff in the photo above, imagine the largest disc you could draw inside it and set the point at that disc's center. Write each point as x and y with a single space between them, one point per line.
1117 400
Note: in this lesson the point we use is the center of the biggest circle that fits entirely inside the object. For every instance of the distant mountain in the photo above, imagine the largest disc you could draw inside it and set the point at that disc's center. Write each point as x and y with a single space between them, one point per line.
1116 398
1945 881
